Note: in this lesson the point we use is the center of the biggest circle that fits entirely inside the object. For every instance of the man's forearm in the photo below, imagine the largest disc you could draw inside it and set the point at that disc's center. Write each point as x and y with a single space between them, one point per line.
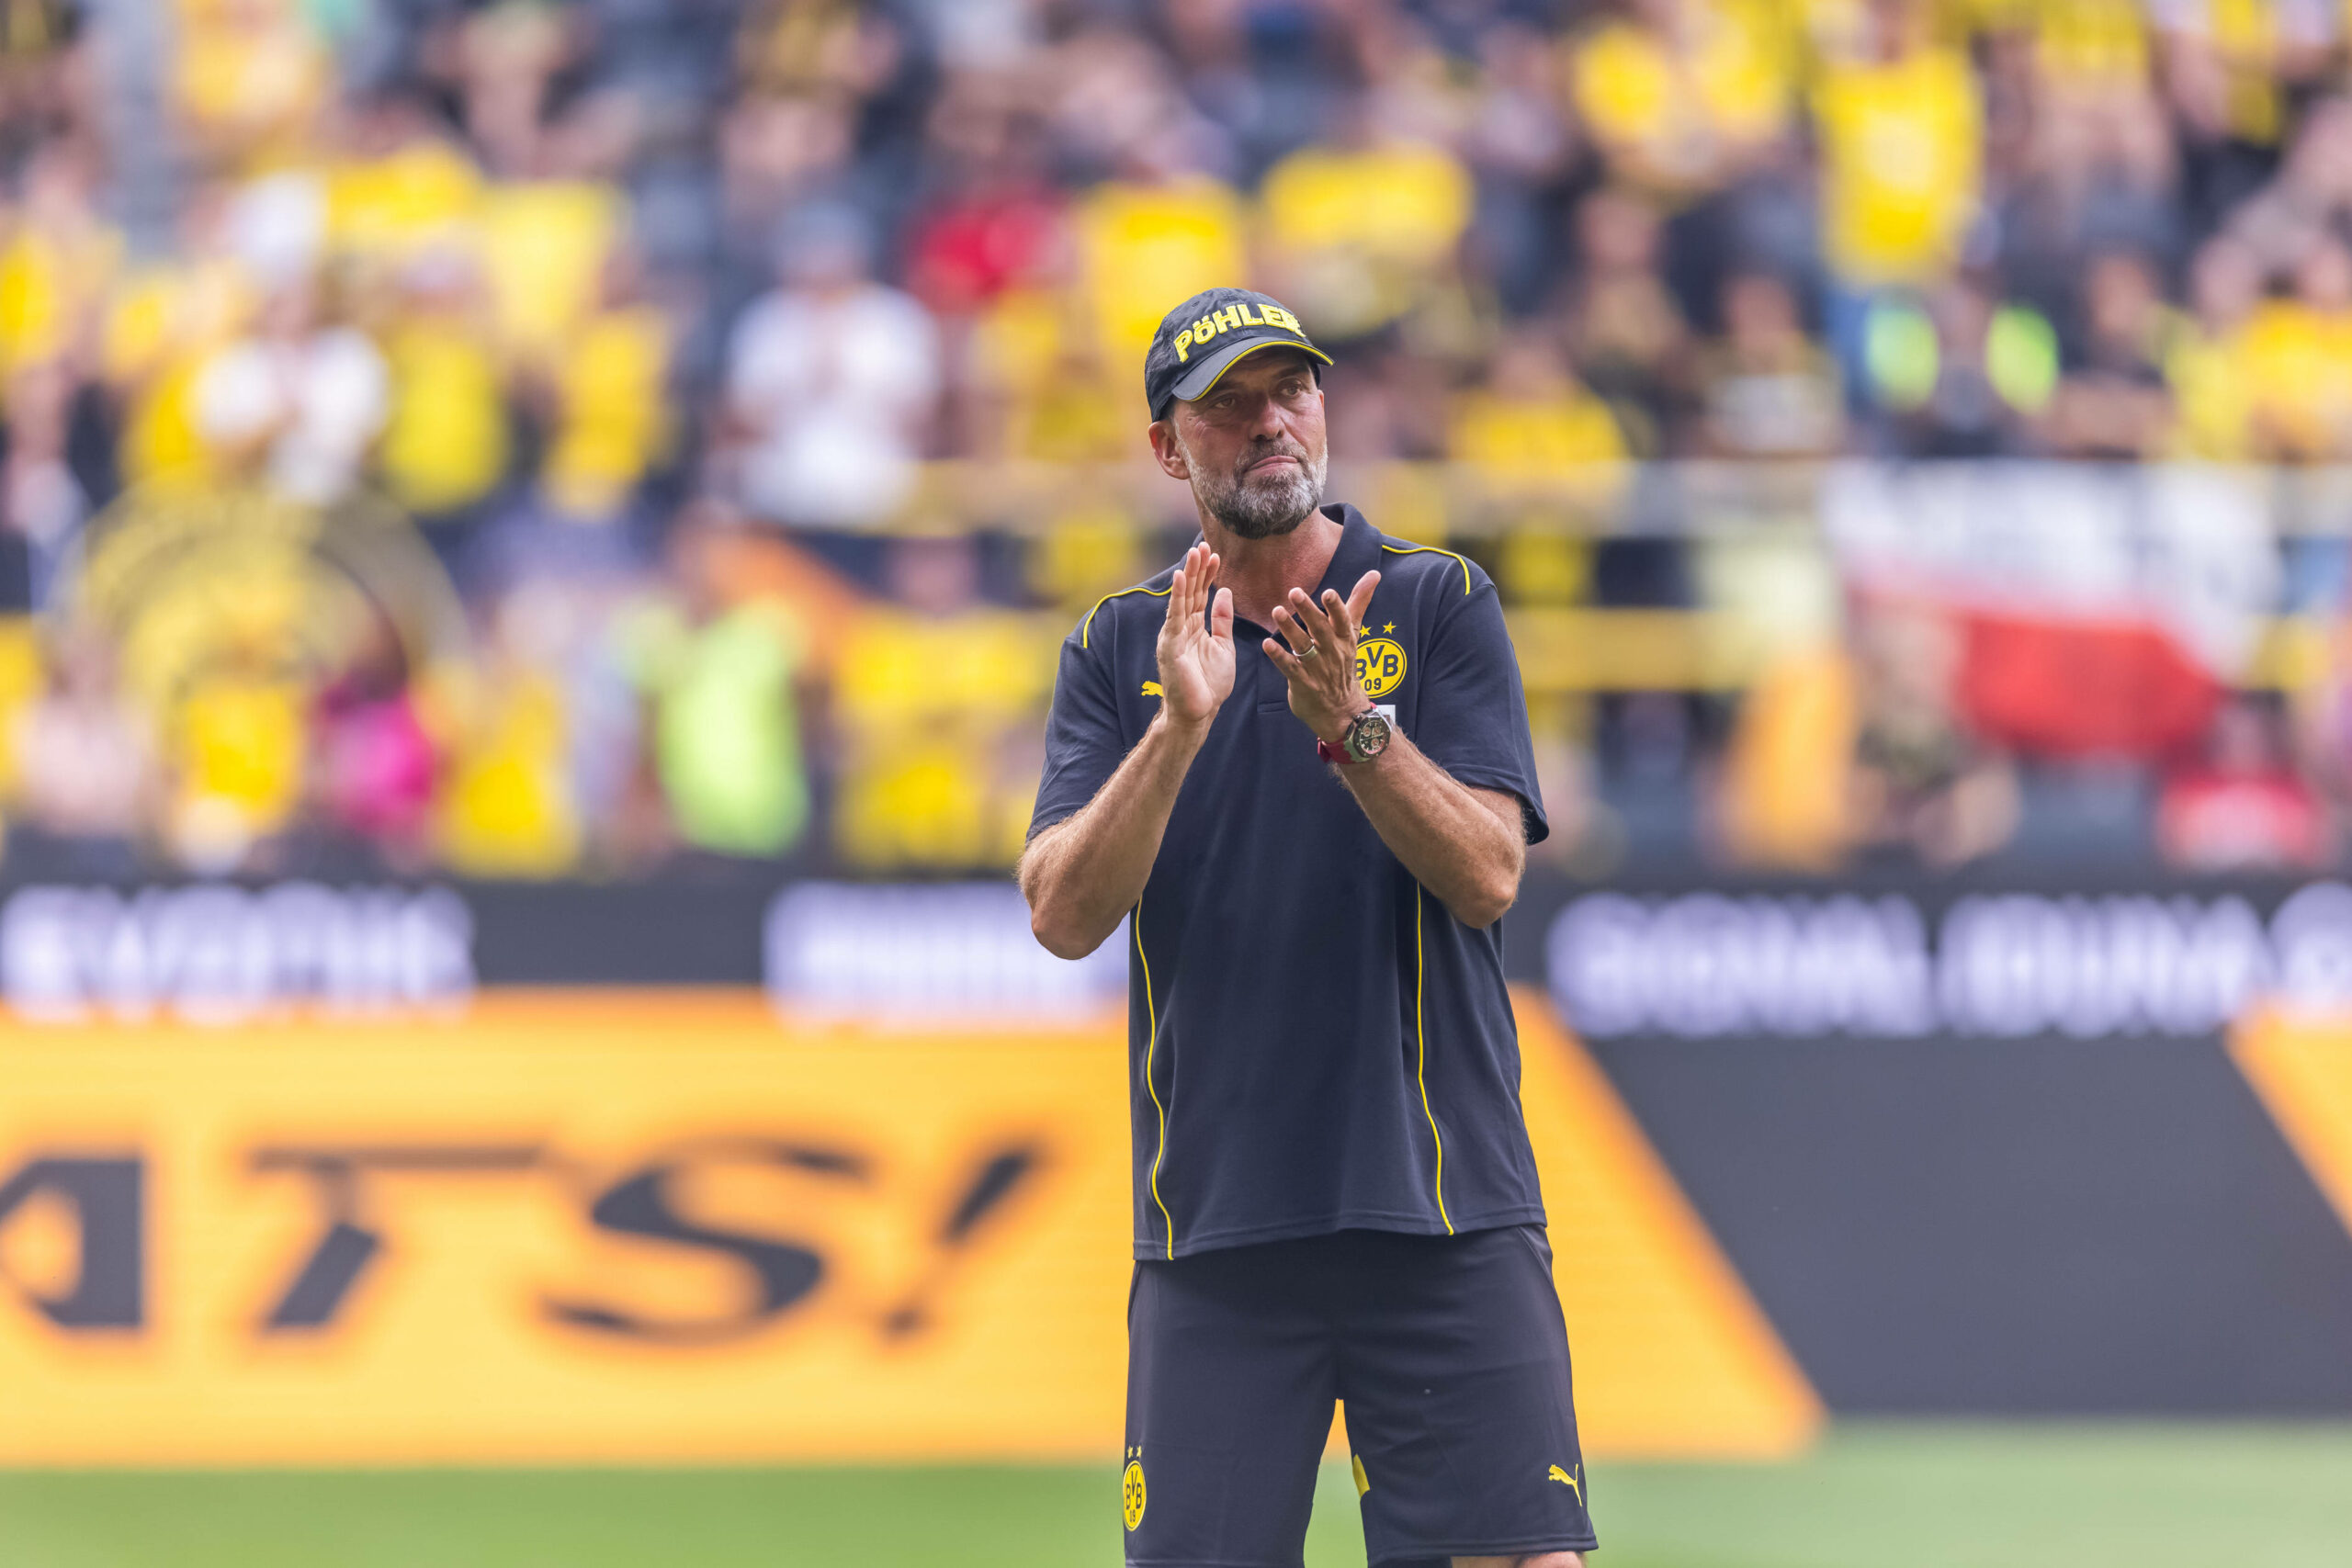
1466 846
1082 876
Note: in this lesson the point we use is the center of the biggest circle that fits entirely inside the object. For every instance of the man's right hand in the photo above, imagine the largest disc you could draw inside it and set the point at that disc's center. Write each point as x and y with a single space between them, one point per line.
1082 874
1196 652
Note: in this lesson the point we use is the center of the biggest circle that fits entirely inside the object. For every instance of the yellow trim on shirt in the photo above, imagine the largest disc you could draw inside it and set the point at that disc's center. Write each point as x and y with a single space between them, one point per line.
1151 1046
1433 551
1420 1066
1086 627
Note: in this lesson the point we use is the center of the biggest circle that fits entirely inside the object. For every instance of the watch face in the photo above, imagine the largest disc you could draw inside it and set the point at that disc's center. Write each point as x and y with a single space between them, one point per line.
1368 736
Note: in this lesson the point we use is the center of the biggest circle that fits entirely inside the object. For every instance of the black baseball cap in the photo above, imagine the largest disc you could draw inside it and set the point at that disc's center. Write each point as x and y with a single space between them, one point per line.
1199 339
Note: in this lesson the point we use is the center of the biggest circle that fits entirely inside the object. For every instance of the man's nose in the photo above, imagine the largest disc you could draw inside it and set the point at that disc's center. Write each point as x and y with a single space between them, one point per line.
1267 421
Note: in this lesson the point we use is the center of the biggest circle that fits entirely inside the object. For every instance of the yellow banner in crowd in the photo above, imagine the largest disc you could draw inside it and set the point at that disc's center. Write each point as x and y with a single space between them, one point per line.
632 1228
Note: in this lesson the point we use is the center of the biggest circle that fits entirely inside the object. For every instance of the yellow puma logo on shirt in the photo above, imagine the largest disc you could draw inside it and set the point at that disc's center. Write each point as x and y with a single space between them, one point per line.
1151 689
1565 1478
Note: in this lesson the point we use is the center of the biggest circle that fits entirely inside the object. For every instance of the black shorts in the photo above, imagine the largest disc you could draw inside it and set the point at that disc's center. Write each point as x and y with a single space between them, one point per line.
1451 1357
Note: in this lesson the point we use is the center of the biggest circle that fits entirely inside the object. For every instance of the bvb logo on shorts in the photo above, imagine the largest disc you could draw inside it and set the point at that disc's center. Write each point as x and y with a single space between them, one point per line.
1380 664
1131 1492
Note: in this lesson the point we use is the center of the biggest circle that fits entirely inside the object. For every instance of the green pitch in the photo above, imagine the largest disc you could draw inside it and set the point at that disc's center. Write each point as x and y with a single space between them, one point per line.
1871 1497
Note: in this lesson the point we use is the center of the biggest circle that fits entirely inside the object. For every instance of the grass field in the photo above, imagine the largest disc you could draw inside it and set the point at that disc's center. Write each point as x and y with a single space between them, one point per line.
1871 1497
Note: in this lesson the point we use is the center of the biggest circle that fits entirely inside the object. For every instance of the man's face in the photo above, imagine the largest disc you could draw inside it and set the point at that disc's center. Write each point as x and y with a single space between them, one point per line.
1252 448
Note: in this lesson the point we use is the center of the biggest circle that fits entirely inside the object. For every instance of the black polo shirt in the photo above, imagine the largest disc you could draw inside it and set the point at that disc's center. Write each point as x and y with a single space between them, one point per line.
1318 1045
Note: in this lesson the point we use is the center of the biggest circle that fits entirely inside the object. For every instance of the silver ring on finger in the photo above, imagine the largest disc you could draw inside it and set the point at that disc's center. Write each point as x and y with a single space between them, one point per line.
1311 650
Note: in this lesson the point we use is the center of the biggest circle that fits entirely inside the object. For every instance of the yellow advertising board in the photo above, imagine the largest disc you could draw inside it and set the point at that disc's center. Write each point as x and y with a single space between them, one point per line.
2301 1068
636 1228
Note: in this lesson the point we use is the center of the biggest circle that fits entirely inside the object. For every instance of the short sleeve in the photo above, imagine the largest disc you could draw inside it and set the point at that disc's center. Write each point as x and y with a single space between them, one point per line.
1472 716
1083 743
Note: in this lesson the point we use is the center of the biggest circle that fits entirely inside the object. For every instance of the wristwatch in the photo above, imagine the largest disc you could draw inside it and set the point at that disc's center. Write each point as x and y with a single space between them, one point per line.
1366 736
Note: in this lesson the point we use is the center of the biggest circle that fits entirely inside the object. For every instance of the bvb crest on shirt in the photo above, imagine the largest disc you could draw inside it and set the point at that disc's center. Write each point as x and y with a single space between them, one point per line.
1380 664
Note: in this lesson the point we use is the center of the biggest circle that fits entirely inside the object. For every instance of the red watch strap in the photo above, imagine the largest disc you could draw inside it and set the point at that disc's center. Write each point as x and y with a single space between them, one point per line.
1337 752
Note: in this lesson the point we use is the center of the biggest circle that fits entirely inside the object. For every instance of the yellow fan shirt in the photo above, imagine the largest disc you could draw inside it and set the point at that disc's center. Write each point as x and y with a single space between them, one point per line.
1143 249
1669 118
2298 364
446 443
1902 164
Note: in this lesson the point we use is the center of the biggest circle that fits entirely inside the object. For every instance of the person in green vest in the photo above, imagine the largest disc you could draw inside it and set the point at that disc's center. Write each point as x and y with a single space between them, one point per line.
718 671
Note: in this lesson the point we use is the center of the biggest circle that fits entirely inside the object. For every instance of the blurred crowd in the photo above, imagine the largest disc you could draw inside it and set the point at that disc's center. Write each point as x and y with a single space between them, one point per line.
640 357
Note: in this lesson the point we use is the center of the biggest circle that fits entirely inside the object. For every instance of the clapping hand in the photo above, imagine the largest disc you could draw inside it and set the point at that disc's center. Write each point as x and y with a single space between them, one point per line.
1195 652
1320 662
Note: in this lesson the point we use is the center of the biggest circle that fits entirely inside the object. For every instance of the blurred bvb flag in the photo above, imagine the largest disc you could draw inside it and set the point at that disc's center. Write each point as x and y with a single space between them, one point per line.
233 614
189 580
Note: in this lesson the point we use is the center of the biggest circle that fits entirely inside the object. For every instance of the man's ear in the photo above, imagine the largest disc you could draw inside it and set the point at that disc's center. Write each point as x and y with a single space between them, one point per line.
1164 449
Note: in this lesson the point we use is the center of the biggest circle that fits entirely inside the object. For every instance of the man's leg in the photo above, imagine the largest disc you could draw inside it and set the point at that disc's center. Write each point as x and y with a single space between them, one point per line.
1453 1362
1229 1395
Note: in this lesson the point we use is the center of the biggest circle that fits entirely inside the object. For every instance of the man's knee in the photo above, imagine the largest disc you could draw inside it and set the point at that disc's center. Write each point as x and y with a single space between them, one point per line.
1536 1560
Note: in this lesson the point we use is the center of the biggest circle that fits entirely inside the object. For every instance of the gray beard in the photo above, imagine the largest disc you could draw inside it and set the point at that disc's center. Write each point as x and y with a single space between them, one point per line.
1264 507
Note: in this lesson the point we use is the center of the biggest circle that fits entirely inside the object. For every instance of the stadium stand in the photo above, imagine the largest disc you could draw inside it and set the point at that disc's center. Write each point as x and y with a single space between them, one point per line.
652 437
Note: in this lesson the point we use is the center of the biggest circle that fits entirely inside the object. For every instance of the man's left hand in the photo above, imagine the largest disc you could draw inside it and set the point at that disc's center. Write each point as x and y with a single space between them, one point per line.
1319 661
